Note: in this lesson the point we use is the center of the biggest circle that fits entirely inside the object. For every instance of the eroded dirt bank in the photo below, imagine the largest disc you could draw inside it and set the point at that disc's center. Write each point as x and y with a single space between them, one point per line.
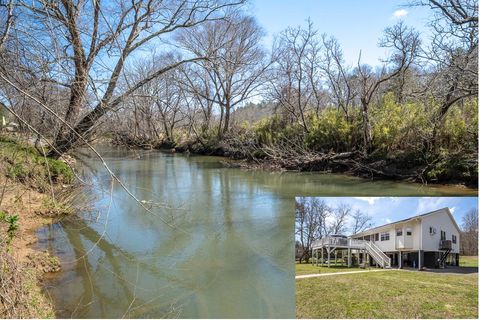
31 189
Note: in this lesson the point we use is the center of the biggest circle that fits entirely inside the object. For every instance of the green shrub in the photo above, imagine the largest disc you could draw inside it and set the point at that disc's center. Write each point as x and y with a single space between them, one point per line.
459 130
397 126
454 167
269 130
329 131
12 222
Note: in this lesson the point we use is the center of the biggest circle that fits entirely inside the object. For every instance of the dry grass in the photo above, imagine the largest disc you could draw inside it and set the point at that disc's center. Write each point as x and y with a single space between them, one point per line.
20 297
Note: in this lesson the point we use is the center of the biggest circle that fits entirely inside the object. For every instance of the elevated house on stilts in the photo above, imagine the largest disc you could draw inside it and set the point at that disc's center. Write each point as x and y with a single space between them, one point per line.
430 240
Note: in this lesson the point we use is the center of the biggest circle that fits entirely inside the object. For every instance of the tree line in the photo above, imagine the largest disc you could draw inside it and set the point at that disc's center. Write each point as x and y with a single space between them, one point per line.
178 73
314 219
469 234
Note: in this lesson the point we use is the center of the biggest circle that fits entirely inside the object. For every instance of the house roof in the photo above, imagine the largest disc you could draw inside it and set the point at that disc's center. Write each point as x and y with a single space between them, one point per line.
446 209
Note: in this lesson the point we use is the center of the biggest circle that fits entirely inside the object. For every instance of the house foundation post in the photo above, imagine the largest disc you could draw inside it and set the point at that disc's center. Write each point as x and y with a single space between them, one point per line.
400 260
420 259
349 257
328 256
335 257
322 256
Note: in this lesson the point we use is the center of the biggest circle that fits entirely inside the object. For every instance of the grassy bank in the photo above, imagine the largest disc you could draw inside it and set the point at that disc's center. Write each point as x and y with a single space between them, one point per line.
389 294
469 261
30 197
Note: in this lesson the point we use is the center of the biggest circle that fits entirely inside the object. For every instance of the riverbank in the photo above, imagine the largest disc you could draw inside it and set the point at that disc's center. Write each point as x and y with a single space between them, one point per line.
398 166
32 190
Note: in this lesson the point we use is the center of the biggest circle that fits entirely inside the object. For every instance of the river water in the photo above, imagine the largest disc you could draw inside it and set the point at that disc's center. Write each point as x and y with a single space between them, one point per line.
208 242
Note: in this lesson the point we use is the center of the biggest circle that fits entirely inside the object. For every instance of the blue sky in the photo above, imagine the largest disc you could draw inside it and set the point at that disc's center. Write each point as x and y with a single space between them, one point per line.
356 24
389 209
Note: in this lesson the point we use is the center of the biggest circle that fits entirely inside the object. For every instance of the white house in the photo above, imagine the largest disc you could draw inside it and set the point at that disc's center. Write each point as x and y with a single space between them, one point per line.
429 240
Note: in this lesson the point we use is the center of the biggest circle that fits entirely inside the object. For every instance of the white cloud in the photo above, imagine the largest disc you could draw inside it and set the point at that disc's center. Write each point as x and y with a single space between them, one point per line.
388 220
399 13
452 209
370 200
428 204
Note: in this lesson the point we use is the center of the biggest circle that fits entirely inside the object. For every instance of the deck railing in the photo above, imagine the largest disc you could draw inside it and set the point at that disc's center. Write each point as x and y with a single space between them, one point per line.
375 252
357 243
338 241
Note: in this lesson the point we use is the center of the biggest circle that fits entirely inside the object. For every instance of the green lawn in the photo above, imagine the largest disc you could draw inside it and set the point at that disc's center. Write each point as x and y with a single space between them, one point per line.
307 268
389 294
468 261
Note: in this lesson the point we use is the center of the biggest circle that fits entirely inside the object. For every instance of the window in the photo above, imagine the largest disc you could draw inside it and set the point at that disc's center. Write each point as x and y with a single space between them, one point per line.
385 236
399 232
433 230
376 236
409 231
454 238
443 235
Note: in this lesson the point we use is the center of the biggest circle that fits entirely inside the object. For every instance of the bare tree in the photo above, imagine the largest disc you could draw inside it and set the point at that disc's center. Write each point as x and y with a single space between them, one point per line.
469 236
96 40
310 223
297 83
160 101
294 84
197 84
341 213
6 18
404 43
361 221
452 55
236 66
338 76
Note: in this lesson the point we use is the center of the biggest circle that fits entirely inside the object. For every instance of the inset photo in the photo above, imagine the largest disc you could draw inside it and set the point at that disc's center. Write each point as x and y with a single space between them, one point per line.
386 257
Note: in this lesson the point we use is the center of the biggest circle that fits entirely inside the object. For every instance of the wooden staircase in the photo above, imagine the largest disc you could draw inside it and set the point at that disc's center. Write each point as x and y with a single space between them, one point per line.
444 258
380 258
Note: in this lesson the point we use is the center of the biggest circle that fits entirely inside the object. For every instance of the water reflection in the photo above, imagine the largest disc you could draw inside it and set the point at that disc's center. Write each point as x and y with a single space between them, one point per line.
229 255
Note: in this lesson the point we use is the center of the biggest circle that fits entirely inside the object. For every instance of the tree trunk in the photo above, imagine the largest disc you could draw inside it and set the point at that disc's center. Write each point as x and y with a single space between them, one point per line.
367 129
219 134
77 98
439 117
227 117
63 143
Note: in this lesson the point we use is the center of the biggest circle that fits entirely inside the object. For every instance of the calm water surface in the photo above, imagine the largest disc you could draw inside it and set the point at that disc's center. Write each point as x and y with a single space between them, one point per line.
214 242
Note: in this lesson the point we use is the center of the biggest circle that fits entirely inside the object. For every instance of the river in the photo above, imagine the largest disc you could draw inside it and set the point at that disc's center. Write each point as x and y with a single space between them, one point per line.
212 241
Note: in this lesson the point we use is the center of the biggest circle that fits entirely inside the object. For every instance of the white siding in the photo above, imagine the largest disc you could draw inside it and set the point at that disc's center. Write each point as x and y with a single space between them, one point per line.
388 245
405 242
420 238
441 221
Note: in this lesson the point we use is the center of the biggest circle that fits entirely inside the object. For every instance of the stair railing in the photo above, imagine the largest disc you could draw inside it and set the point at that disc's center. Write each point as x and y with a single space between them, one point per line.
377 254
